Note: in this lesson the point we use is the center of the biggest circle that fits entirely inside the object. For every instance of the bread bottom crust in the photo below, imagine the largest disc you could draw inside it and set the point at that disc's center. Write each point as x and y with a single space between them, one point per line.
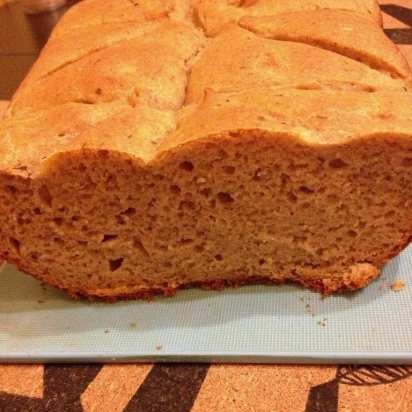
356 277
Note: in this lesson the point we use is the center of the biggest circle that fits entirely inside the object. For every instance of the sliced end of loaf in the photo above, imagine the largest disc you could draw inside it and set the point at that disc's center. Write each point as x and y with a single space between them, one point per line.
228 209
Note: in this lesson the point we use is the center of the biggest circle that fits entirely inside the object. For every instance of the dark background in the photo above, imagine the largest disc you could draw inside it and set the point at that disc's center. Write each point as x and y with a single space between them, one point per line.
21 39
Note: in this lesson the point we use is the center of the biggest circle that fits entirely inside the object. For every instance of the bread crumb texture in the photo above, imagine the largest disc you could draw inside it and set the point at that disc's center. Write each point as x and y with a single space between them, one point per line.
158 145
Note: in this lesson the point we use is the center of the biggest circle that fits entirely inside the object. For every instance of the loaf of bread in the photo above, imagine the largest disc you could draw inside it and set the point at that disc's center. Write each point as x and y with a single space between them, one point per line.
163 144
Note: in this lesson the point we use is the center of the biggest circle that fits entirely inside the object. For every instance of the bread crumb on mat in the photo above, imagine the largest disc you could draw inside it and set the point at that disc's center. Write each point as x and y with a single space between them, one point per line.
398 285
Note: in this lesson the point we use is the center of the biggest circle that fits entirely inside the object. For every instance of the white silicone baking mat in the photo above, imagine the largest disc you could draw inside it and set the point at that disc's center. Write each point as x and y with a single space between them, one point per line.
249 324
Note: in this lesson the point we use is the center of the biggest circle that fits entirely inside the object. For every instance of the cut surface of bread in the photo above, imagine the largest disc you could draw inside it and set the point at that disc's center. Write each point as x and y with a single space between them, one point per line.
167 144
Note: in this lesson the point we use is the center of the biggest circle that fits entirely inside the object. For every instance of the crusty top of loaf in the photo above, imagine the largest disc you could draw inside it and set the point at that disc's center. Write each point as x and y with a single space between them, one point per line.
146 77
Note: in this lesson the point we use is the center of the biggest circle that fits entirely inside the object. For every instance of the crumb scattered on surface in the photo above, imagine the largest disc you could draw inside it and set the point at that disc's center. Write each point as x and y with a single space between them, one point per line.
40 301
159 347
322 322
309 309
133 324
106 331
397 285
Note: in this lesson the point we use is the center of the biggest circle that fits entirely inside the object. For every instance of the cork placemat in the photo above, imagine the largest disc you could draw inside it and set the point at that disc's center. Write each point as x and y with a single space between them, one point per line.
216 388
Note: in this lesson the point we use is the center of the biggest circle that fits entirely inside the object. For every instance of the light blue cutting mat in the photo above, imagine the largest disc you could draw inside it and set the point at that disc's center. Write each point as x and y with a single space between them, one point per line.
249 324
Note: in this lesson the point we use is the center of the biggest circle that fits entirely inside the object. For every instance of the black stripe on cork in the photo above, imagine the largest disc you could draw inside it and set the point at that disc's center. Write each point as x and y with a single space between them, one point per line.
324 398
64 384
400 36
404 15
169 388
401 13
16 403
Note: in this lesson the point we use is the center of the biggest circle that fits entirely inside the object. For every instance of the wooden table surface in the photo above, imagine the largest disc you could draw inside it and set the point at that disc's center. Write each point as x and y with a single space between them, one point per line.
190 387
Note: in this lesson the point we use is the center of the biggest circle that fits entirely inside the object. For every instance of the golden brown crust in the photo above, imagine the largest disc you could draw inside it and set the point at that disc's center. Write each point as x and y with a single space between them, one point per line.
214 15
319 28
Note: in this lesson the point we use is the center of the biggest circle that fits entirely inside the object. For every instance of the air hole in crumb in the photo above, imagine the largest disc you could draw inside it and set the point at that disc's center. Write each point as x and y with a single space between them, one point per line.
186 204
300 239
45 195
292 198
137 243
186 165
15 243
76 218
103 154
58 240
247 3
222 154
262 262
206 192
199 248
98 91
225 197
34 255
229 169
390 214
82 167
185 241
352 233
131 211
115 264
305 189
218 258
20 221
407 162
11 189
175 189
332 198
337 164
107 238
36 211
58 221
257 174
320 252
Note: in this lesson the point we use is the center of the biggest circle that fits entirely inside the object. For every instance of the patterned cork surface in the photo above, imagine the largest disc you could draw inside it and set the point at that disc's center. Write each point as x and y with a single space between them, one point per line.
217 388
